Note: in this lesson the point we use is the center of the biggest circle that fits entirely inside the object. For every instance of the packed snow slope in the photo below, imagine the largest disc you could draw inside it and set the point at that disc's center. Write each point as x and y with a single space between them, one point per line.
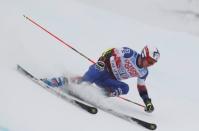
172 82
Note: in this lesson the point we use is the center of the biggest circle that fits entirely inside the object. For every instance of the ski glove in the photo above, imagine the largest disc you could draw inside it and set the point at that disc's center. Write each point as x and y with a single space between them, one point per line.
149 106
100 65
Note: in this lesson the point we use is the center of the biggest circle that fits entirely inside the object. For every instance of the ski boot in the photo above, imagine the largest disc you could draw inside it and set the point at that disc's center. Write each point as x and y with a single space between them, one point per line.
55 81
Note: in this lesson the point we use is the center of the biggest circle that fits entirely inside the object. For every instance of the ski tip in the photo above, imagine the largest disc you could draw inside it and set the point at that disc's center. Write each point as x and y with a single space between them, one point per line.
153 126
93 111
150 126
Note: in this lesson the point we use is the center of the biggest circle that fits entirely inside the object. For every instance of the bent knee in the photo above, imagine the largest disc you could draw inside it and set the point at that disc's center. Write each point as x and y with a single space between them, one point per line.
119 90
124 89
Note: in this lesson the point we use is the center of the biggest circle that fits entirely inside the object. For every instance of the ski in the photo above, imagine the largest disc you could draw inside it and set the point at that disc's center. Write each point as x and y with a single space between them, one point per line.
81 102
60 94
145 124
150 126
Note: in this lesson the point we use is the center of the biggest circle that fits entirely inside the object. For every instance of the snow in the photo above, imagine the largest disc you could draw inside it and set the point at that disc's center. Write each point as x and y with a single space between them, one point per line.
92 27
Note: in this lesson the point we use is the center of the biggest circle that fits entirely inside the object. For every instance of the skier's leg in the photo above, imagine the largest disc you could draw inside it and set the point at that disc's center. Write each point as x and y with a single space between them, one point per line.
93 74
114 87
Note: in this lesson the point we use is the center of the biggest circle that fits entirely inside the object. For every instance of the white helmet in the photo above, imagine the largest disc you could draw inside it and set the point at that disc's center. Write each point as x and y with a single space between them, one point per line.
150 52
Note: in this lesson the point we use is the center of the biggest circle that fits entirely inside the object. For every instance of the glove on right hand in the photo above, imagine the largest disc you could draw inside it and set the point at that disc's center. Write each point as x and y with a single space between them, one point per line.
149 106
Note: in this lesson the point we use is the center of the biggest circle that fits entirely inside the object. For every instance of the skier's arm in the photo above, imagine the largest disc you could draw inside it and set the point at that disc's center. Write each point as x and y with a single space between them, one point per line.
142 88
106 55
144 94
104 59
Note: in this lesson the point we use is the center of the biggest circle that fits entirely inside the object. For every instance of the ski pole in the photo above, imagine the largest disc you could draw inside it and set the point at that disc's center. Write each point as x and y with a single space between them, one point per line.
131 101
65 44
56 37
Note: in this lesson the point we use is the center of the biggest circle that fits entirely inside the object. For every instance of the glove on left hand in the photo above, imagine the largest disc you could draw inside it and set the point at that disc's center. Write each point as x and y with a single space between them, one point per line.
100 65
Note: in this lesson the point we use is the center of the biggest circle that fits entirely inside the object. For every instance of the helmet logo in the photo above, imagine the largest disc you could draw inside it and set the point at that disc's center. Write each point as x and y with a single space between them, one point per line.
156 55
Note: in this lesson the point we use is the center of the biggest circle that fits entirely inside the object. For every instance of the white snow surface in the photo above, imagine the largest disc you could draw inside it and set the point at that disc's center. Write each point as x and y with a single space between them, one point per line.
91 27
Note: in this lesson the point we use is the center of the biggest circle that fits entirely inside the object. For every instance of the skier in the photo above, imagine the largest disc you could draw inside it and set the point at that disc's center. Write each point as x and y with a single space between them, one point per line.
115 65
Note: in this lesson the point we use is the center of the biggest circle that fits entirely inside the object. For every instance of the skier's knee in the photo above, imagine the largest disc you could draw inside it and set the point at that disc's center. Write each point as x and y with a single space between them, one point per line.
125 89
122 90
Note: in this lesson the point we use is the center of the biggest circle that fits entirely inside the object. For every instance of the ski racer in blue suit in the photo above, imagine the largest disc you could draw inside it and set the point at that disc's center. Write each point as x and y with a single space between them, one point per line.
115 65
118 64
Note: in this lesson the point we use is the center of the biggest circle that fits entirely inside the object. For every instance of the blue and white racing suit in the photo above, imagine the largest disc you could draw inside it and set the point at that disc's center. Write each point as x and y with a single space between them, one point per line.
120 64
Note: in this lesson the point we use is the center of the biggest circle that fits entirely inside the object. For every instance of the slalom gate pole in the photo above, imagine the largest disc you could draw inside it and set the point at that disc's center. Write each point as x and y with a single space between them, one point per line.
65 44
